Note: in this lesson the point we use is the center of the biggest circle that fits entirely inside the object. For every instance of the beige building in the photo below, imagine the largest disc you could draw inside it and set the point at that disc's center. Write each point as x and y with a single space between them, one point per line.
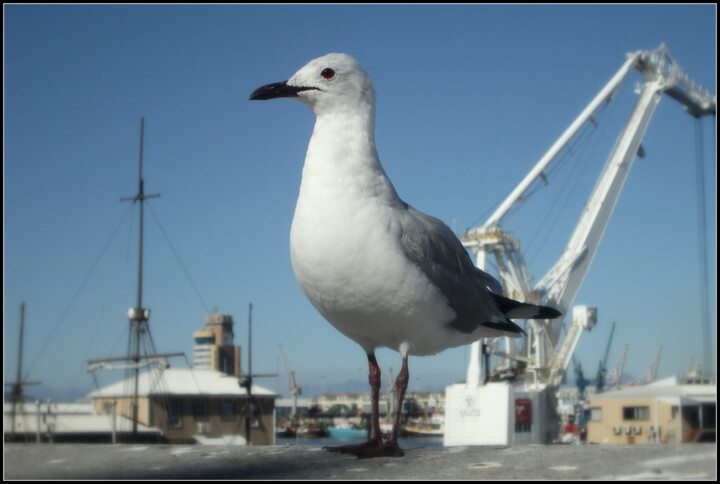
66 422
214 347
192 405
361 402
677 409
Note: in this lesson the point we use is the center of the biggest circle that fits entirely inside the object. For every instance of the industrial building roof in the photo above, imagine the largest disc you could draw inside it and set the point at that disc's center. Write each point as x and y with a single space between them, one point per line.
66 418
702 390
182 381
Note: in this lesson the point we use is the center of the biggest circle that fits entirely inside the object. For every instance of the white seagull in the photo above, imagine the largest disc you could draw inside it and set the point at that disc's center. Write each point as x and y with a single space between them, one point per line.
381 272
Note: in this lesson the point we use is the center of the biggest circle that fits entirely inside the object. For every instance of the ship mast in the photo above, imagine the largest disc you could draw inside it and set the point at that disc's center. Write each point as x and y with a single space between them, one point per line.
138 316
18 384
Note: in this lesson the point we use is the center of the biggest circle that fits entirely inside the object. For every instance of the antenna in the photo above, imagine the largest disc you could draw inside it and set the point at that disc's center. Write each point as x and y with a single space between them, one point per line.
246 380
17 385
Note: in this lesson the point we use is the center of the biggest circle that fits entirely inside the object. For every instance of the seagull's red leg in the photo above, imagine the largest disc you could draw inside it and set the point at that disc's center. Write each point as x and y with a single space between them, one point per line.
401 384
375 434
375 441
391 447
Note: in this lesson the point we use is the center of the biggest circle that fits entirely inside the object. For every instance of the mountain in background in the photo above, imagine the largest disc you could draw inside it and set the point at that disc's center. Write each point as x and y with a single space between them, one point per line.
45 393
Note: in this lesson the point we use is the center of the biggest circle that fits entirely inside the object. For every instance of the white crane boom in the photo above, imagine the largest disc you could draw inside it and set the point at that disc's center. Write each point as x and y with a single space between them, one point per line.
558 288
563 281
539 169
295 389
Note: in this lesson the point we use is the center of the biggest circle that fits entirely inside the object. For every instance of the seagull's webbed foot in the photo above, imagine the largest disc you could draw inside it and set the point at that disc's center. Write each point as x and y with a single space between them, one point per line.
371 448
386 449
371 445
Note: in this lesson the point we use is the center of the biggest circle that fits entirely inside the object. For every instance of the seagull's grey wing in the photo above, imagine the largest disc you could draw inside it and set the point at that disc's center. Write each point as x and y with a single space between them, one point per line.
431 244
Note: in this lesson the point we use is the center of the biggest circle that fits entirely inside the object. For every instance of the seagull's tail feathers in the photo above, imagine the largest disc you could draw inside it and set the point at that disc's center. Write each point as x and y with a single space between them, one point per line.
506 326
513 309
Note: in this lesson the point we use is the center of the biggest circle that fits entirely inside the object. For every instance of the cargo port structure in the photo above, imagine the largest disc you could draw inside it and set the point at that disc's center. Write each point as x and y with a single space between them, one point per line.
514 399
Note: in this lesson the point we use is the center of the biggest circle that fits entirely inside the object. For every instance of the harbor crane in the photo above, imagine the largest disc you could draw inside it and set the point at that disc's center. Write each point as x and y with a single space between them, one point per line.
295 389
602 369
582 383
614 378
599 380
529 375
545 353
649 375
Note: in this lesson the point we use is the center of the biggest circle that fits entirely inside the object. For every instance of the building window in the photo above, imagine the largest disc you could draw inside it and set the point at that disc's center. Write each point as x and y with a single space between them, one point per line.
254 415
522 427
227 411
200 410
636 413
174 413
594 414
108 407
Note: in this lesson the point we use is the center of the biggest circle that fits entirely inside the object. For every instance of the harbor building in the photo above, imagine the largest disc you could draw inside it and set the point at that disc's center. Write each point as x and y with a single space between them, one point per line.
66 422
415 402
678 409
192 405
214 348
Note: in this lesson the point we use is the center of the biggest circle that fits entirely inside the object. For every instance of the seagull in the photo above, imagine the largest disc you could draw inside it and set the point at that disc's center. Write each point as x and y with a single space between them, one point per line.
381 272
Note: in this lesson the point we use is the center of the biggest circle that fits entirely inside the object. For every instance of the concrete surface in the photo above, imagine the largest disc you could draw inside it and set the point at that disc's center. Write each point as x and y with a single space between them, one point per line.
519 462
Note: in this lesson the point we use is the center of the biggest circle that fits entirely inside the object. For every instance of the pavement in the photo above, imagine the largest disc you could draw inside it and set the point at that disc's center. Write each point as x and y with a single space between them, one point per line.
516 462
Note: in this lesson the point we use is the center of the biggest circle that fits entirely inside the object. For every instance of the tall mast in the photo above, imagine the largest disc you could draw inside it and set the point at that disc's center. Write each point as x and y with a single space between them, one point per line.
137 315
247 379
20 352
18 384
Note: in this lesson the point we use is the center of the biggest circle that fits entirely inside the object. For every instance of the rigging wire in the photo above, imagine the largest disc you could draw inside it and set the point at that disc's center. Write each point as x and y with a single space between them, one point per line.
75 296
570 178
102 310
146 342
555 165
177 256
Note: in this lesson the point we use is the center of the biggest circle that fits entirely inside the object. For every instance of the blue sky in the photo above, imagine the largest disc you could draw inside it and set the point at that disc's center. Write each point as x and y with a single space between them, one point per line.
469 98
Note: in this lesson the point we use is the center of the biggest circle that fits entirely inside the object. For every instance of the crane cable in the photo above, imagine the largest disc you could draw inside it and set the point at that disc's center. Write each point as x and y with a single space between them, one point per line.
702 240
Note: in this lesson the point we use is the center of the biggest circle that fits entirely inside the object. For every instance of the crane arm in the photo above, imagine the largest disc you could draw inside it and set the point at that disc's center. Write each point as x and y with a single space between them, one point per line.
602 369
563 281
659 63
538 170
662 75
561 284
294 387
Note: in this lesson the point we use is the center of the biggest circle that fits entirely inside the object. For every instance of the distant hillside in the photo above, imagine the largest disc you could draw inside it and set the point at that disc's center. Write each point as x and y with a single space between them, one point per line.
45 393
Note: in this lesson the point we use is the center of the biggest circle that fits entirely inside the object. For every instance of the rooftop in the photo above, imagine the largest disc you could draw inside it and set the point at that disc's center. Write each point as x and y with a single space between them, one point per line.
674 387
66 418
183 381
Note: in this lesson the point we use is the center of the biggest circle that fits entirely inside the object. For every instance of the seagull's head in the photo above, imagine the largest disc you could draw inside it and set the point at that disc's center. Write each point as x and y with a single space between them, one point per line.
329 84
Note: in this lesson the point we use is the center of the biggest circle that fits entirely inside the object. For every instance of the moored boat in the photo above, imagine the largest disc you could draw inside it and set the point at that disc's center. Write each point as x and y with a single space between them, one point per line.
347 432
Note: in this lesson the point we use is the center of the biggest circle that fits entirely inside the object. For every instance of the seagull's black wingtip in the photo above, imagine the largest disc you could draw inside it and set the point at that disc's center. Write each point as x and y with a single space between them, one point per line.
508 326
547 313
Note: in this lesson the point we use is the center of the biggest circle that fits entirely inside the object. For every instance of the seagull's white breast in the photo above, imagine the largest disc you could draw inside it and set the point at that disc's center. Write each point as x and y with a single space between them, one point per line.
346 254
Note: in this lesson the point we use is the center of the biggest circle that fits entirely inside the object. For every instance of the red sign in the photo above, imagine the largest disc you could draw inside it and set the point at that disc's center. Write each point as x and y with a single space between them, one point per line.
523 410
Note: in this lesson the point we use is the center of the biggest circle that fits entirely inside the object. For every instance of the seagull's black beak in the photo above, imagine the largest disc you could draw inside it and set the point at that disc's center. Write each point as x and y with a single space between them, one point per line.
279 89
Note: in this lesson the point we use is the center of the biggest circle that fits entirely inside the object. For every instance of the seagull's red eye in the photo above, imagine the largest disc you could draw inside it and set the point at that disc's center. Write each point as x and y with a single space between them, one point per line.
328 73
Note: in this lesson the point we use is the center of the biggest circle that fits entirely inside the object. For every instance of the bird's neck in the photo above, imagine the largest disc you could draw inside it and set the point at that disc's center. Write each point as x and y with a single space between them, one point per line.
342 156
